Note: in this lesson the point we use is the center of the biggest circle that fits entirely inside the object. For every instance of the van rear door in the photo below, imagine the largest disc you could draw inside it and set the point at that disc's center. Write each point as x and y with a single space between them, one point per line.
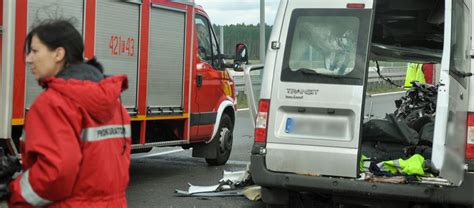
317 95
449 141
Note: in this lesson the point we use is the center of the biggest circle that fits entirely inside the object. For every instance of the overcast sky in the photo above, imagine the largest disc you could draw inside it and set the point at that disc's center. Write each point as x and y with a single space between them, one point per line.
226 12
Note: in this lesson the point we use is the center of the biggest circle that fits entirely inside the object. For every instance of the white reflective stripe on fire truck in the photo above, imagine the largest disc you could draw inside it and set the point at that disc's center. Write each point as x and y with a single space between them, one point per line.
29 194
106 132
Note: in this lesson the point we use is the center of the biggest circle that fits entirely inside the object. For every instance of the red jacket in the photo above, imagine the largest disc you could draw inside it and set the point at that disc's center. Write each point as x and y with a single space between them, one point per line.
76 145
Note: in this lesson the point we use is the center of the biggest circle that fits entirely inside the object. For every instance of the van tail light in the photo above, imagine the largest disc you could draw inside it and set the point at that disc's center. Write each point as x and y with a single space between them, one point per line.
262 121
470 136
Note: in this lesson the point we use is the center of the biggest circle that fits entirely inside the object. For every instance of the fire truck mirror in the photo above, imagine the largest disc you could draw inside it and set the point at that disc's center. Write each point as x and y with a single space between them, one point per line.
241 54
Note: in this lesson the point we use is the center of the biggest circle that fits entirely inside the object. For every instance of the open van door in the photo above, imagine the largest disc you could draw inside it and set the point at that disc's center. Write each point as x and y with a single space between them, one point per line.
451 114
317 93
252 80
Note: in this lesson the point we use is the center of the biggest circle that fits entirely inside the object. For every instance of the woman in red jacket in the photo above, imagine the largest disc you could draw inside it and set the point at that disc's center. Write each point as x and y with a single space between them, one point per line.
76 146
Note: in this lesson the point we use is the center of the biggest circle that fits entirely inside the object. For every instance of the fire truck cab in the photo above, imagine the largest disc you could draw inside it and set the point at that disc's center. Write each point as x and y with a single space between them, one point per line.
179 91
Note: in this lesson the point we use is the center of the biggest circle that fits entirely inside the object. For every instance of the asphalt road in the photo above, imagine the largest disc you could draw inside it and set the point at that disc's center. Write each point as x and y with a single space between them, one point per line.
378 105
156 175
153 179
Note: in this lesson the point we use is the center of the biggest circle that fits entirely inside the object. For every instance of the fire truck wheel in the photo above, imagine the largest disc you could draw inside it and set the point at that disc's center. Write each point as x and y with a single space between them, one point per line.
223 142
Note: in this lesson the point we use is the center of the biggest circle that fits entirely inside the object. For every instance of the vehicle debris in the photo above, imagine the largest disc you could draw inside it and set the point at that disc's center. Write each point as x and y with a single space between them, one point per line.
233 183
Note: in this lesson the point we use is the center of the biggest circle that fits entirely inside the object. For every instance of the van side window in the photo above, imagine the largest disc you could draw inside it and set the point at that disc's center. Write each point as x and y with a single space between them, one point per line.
204 39
460 41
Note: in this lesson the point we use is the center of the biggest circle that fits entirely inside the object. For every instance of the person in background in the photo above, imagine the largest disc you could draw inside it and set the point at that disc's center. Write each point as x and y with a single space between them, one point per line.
428 72
77 139
414 73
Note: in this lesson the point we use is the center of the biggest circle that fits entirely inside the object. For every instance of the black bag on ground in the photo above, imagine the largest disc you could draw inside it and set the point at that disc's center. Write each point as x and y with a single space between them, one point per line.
418 123
380 130
426 134
409 135
389 130
380 151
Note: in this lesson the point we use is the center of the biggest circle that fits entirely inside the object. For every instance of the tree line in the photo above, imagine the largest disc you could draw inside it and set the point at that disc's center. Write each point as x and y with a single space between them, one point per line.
242 33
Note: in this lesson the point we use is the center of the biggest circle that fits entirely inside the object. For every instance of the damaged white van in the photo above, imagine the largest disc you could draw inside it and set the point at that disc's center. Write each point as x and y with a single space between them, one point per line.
310 118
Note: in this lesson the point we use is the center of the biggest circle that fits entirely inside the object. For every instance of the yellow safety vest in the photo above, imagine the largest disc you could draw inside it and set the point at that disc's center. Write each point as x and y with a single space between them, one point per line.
411 166
414 72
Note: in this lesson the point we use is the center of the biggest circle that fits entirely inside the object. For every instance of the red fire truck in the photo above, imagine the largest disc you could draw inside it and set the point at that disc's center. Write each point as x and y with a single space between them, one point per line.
179 91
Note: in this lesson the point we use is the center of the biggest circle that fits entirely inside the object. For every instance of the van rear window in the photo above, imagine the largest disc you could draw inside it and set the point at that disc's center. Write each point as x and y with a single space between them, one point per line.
327 46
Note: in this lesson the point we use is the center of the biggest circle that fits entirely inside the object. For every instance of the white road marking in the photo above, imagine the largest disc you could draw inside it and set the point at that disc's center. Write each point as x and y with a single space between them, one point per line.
146 155
388 93
139 156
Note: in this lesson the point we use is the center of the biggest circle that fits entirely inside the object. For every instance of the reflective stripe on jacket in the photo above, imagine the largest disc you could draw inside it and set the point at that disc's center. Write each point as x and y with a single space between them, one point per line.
411 166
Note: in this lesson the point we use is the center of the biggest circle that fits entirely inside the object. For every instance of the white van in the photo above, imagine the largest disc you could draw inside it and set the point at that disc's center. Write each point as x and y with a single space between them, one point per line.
308 127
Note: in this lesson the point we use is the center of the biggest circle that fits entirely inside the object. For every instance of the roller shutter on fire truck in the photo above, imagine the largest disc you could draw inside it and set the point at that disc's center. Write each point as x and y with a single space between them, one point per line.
50 9
166 59
117 41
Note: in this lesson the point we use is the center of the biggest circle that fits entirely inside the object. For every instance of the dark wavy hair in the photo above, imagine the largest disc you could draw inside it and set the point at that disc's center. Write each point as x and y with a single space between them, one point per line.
61 33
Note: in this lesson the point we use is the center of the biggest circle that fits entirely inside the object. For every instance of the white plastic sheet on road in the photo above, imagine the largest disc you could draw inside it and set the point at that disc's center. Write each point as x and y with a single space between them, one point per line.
233 183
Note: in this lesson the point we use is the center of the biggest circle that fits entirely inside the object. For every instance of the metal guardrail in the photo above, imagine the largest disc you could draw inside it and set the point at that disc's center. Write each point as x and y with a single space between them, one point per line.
394 73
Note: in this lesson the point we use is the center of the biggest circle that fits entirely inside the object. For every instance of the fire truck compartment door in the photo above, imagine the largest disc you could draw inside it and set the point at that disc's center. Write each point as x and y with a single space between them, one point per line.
117 41
166 60
47 9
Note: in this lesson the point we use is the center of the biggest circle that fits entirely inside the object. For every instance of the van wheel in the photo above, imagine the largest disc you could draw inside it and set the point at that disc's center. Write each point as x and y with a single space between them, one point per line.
224 137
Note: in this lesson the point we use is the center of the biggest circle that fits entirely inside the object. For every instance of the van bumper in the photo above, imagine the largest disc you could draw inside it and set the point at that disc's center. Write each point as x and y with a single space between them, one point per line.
340 186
